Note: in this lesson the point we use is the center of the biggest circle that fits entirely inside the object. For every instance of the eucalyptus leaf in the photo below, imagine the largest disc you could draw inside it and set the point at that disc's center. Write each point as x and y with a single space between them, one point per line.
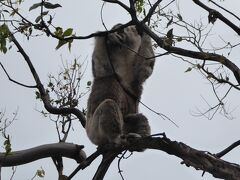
34 6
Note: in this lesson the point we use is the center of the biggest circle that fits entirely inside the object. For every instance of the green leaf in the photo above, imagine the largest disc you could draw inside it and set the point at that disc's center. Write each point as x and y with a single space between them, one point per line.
4 34
58 32
38 19
7 146
68 32
40 173
188 69
49 5
38 96
170 34
70 45
139 5
180 17
41 16
34 6
61 43
179 39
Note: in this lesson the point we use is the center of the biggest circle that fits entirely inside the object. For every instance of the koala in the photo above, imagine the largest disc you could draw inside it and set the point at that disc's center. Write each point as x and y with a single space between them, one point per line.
121 62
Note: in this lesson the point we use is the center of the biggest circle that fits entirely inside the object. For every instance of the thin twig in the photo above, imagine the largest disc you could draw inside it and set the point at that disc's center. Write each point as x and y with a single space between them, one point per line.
14 81
219 16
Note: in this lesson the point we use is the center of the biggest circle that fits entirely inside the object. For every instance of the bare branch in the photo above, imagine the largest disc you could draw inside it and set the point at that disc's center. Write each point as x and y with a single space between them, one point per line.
68 150
218 15
194 54
14 81
225 9
228 149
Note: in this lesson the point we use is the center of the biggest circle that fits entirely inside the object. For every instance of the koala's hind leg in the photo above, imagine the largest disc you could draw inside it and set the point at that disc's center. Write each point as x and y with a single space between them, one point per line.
110 122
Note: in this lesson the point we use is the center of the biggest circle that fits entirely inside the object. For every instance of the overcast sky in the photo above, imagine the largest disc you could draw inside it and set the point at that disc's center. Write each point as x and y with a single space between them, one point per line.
169 90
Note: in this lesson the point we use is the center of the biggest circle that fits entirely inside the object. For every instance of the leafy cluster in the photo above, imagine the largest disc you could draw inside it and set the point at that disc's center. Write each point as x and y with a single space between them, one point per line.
4 34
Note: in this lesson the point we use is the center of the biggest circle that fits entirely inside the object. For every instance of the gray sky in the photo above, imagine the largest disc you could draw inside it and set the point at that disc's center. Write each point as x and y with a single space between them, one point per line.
169 90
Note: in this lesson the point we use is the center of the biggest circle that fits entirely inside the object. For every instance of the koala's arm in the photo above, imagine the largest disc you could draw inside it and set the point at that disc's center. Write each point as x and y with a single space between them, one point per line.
101 66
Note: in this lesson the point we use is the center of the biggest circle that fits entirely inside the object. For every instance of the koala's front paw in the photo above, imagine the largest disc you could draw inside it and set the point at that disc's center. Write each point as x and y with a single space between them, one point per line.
134 40
116 38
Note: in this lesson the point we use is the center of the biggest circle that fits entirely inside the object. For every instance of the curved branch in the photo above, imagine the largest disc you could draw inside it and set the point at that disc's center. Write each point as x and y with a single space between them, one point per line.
14 81
44 95
219 16
68 150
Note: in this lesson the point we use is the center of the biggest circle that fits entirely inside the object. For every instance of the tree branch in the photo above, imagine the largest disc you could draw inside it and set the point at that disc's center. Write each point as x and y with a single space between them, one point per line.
228 149
200 160
107 160
218 15
225 10
194 54
68 150
44 95
151 11
119 3
14 81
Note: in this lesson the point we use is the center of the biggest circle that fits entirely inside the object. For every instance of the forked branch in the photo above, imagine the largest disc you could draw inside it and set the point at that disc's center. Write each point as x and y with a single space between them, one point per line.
44 95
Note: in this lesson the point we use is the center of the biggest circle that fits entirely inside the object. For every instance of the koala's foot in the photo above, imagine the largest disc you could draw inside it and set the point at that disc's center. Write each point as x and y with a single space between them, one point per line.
129 139
130 136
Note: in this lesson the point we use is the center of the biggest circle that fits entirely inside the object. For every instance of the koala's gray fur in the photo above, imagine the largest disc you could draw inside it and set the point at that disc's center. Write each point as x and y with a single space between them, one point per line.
112 110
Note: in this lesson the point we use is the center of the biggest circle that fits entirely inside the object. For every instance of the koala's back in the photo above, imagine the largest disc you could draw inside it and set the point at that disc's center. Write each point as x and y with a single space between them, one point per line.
110 88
